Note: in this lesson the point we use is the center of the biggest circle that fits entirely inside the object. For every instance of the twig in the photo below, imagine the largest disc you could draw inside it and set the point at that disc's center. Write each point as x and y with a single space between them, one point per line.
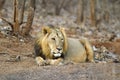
6 21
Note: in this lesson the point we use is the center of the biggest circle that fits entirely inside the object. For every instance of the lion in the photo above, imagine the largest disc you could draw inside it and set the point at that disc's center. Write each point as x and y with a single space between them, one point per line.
52 47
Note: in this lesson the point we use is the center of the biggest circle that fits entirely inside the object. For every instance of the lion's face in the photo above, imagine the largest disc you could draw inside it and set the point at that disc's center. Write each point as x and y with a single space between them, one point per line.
55 42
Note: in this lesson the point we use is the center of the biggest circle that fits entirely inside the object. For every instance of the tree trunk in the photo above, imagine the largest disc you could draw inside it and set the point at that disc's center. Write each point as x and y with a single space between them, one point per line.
44 4
106 12
18 18
16 21
30 18
80 12
92 11
59 6
2 2
22 7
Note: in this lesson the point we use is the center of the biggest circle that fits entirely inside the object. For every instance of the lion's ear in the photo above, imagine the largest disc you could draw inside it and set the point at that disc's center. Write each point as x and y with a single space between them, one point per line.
46 30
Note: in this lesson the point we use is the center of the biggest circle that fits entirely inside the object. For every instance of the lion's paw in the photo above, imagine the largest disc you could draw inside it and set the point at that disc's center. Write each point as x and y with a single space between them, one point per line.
40 61
55 62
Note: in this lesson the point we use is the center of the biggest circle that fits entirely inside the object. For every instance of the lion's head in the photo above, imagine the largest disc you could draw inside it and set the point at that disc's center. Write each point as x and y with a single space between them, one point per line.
54 42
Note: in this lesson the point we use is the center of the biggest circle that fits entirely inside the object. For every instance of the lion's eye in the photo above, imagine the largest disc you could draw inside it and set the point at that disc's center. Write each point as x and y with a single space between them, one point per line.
62 40
53 38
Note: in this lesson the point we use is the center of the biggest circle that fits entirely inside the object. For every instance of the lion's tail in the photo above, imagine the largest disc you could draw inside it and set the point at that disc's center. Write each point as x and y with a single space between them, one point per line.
89 50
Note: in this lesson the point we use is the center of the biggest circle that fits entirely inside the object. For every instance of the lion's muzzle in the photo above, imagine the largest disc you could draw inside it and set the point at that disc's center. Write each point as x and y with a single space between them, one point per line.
57 55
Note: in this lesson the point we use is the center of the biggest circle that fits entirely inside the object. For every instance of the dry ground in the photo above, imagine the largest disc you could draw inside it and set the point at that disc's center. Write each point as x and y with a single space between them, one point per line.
17 63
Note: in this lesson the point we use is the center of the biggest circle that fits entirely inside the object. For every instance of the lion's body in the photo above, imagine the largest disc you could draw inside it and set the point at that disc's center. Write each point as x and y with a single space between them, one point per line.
76 51
53 47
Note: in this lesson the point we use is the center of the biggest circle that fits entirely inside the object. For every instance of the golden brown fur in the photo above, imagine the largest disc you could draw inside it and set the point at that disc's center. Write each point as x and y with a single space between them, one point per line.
53 47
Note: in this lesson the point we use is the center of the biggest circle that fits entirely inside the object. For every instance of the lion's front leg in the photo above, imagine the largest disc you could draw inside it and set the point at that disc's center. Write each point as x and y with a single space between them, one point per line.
40 61
58 61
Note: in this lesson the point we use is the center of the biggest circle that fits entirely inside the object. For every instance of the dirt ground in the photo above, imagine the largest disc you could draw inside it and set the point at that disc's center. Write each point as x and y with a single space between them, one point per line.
17 63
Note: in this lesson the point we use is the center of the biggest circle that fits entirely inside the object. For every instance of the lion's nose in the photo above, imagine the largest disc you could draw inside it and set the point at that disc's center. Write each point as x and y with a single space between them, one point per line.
59 48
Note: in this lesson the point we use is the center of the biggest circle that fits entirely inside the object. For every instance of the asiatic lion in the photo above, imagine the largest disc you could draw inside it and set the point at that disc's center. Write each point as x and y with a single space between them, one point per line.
53 47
